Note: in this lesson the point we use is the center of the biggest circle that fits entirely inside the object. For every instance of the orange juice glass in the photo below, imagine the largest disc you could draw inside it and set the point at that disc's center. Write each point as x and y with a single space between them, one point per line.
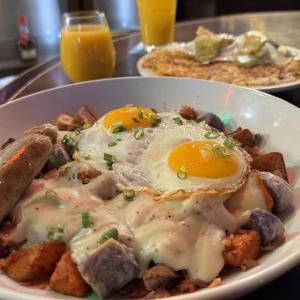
157 18
86 47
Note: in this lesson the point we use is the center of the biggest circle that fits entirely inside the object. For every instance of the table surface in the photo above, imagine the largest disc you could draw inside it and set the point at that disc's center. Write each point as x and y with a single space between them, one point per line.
280 27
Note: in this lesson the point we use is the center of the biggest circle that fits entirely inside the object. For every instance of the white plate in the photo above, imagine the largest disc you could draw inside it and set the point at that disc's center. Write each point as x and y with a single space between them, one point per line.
263 113
147 72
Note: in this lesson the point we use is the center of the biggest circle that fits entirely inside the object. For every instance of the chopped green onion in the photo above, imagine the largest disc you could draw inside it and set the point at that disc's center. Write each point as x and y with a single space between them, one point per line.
140 114
86 126
136 120
70 144
56 232
118 127
109 166
211 134
51 195
128 194
86 220
112 143
86 157
229 143
156 119
109 234
181 174
78 130
220 151
110 160
139 134
178 121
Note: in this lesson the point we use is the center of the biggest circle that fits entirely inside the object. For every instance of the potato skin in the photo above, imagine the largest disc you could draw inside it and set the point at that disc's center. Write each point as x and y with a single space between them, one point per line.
34 263
245 244
66 278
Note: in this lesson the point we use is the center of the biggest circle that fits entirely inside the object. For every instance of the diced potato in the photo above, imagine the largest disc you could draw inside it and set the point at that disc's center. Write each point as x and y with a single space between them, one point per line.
66 122
66 278
244 136
272 162
243 245
34 263
84 116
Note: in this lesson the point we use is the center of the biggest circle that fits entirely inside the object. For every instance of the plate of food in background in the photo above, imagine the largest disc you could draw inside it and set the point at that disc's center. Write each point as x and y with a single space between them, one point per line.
250 59
147 187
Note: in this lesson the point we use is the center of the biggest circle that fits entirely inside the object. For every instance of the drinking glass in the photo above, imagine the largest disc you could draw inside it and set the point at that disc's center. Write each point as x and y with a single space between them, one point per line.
157 18
86 47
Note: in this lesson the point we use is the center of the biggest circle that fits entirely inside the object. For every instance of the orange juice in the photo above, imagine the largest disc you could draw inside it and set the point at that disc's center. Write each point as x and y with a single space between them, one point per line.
157 18
87 52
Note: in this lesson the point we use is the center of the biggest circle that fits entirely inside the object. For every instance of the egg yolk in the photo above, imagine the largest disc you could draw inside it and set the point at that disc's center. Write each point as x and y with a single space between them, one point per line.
197 158
128 116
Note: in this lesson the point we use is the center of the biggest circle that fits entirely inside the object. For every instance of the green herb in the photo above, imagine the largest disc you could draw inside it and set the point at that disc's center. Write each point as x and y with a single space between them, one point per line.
139 134
78 130
86 220
51 195
182 173
109 157
112 143
86 156
118 127
70 144
128 194
220 151
86 126
109 234
140 114
211 134
229 143
156 119
136 120
110 160
178 121
56 232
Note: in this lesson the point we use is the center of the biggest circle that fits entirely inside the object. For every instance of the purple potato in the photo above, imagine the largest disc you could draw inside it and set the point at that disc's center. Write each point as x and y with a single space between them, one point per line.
280 191
213 121
268 225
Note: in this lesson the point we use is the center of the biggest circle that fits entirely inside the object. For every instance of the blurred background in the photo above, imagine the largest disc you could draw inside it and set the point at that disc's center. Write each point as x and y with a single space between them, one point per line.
42 20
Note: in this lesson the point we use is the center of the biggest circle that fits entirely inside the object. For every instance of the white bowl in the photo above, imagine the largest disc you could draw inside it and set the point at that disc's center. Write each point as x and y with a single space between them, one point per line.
276 119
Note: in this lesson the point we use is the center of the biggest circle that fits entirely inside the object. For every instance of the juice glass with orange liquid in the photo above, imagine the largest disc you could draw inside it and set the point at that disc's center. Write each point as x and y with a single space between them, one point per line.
86 47
157 18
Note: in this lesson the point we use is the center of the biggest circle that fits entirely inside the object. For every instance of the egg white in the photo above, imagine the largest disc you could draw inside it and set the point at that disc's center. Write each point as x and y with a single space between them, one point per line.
143 163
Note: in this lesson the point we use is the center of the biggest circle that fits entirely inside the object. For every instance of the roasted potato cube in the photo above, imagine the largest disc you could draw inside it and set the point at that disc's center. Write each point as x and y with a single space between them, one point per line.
272 162
66 278
244 136
84 116
243 245
66 122
34 263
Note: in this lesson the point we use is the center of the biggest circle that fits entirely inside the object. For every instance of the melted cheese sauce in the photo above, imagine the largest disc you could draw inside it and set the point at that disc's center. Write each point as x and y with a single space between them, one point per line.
183 234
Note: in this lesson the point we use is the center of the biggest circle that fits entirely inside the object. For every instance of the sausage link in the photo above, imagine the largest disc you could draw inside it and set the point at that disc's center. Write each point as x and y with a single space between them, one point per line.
20 162
45 129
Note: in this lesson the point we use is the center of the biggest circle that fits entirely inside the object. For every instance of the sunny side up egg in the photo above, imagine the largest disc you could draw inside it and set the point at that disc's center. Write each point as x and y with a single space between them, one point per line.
164 152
